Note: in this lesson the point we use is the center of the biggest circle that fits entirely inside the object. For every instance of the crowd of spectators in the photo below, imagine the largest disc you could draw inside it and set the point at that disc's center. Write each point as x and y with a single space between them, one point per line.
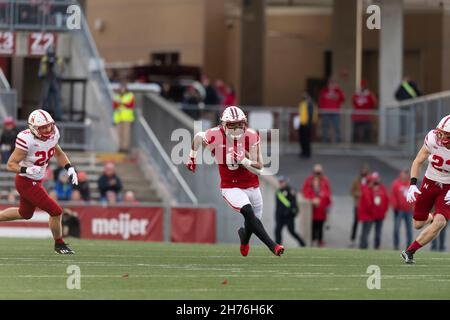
200 96
109 186
372 201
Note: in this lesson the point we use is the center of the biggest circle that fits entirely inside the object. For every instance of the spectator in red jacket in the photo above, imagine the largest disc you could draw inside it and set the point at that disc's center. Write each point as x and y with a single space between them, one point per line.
363 101
317 189
373 205
330 102
402 209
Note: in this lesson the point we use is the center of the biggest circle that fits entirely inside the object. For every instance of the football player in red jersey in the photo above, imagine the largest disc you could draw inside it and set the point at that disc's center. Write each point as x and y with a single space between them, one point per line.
35 147
435 189
236 149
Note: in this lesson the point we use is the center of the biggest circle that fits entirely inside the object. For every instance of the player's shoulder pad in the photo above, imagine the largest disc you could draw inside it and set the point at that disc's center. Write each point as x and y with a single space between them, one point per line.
430 140
252 136
24 139
212 135
57 135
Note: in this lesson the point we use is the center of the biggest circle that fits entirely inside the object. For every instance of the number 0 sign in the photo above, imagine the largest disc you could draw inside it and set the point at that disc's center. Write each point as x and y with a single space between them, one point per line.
38 42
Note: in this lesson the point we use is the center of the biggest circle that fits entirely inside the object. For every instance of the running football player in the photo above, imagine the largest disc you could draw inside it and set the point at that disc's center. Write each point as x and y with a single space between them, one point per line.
435 188
236 149
35 147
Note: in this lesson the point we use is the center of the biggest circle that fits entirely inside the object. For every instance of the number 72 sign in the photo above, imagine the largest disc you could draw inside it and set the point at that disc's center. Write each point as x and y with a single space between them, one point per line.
38 42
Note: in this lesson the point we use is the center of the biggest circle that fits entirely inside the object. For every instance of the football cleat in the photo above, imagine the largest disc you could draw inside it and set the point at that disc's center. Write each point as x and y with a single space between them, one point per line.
245 247
62 248
407 257
279 250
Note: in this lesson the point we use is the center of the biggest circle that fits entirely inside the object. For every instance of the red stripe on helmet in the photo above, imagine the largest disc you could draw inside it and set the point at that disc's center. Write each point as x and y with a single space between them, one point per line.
445 121
43 114
237 113
233 112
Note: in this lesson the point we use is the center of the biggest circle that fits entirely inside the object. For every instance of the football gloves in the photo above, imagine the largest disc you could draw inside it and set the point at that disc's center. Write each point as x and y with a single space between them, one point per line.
410 196
73 175
34 171
191 165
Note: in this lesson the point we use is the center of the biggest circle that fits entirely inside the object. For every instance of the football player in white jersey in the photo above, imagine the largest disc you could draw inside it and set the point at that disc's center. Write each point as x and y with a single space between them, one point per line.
435 189
35 147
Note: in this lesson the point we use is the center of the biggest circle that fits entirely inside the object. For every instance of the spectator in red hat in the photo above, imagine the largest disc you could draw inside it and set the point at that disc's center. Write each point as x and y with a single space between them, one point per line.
8 138
363 100
373 205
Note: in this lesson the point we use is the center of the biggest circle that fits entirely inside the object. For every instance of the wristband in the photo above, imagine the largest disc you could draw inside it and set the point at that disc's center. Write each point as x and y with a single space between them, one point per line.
413 181
23 169
192 154
246 162
67 166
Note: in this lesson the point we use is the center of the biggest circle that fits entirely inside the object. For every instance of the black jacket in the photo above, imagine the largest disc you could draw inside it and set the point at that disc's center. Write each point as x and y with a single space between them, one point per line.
9 138
106 184
401 94
282 209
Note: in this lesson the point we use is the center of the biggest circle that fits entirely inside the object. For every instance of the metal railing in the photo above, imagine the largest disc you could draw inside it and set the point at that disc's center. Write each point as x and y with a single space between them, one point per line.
74 135
50 15
8 104
422 115
100 107
147 142
361 126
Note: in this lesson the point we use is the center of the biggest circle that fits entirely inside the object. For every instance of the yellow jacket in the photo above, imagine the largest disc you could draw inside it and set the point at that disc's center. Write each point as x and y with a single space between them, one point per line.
307 113
124 107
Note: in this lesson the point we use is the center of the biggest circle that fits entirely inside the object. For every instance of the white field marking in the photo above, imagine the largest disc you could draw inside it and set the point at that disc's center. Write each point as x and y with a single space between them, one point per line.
243 264
189 290
153 256
237 267
219 276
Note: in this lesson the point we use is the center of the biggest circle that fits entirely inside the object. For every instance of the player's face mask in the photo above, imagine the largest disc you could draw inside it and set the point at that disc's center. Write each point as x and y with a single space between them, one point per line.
45 132
443 138
235 130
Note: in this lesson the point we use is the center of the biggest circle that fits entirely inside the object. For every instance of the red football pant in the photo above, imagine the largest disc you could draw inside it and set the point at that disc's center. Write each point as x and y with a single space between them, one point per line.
432 196
32 195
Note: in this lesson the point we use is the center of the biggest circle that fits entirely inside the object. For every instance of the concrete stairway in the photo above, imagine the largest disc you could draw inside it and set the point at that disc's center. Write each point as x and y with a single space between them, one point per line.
127 169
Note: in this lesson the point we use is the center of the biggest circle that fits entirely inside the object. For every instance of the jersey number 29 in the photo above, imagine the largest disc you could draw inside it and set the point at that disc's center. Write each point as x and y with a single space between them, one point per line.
44 157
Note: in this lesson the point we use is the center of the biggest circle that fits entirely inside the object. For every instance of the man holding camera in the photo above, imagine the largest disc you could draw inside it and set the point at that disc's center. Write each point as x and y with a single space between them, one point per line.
50 70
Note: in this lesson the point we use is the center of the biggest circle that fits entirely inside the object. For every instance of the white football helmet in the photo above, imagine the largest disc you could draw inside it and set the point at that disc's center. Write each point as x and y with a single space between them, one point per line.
234 122
41 124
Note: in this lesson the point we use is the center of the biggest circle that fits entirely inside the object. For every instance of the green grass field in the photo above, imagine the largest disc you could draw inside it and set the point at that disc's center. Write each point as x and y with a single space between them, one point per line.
29 269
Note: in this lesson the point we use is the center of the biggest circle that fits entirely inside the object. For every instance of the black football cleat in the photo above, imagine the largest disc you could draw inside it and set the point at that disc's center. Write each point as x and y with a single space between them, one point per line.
408 257
62 248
